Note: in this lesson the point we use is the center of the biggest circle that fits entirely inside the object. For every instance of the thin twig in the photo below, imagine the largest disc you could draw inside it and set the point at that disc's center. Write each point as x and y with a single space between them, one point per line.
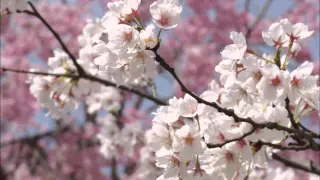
247 10
261 14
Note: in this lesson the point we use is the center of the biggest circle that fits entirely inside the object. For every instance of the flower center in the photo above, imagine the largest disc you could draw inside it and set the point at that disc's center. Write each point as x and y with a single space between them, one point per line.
295 82
127 36
174 161
140 56
228 156
164 19
275 81
188 140
149 39
257 75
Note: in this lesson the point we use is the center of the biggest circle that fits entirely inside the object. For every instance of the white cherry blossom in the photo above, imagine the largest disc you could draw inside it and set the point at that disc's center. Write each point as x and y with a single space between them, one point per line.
301 80
122 38
187 141
295 31
275 36
236 50
173 167
166 13
273 84
148 38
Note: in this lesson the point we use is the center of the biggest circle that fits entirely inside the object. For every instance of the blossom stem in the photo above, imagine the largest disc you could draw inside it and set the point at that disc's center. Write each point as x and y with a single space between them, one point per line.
287 55
259 56
159 33
277 59
137 21
153 88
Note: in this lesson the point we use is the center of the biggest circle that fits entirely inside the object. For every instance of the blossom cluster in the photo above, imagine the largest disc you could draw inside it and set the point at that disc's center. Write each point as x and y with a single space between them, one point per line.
117 48
125 53
253 86
61 94
117 140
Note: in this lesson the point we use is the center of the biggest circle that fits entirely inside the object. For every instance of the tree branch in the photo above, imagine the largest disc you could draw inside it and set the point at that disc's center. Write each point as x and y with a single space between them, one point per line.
114 169
261 14
231 140
39 73
137 92
34 138
278 146
296 165
290 115
94 79
56 35
315 135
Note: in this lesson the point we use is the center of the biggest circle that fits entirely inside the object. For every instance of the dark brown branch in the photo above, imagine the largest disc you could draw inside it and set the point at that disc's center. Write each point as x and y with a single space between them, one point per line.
114 169
137 92
3 174
278 146
86 143
315 135
290 115
56 35
32 139
231 140
39 73
295 165
94 79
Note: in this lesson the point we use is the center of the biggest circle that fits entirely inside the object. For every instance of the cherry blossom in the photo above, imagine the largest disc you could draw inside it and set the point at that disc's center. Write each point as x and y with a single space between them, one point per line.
166 13
296 31
275 36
